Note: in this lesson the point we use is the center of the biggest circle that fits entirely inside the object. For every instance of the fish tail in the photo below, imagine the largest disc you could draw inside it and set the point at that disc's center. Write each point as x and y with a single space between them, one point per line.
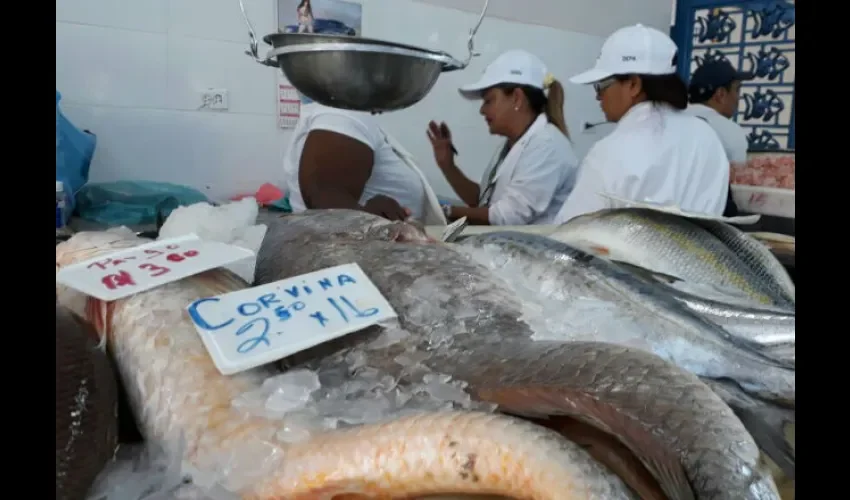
771 426
99 314
770 433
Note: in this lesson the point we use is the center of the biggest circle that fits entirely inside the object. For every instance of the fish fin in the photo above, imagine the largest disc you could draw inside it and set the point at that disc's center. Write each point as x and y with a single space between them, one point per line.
770 439
766 423
646 273
665 467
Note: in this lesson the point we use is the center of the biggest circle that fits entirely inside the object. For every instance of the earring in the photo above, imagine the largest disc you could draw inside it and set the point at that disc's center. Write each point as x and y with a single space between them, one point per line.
516 108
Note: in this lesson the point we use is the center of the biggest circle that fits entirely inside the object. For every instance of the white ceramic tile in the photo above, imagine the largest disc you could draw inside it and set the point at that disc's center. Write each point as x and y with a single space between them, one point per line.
221 155
147 15
110 66
222 19
195 64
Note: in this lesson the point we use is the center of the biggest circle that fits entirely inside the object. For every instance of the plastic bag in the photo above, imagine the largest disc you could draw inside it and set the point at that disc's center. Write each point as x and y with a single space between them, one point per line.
74 151
133 202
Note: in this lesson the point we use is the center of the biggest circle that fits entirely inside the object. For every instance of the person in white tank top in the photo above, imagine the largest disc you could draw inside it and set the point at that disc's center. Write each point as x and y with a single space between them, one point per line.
341 159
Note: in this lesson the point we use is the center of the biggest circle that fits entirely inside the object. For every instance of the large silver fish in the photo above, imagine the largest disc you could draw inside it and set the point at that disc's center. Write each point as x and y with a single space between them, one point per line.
772 331
636 311
463 321
679 247
184 404
645 311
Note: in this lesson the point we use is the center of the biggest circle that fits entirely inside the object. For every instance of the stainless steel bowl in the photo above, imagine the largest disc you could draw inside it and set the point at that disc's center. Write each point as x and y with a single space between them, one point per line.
358 73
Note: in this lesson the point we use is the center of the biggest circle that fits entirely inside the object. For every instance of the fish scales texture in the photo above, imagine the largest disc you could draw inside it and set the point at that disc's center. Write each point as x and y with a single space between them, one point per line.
479 349
772 331
671 245
86 407
179 396
476 452
720 456
668 327
753 253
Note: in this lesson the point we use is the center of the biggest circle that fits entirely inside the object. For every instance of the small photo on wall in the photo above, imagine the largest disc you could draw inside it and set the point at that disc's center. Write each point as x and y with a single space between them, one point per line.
330 17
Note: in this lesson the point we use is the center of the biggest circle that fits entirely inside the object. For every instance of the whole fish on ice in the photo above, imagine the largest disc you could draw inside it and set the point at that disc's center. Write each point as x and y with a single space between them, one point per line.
636 310
623 308
179 396
771 331
463 321
705 252
86 407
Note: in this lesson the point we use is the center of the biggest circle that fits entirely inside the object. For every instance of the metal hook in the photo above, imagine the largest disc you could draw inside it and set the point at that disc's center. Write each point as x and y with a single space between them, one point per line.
472 32
254 52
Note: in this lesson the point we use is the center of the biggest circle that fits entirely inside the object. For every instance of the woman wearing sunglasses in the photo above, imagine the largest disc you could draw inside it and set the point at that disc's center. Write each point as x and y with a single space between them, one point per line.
530 176
657 153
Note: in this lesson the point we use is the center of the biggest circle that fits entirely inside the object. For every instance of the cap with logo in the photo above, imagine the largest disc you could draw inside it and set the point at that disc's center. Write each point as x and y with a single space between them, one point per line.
633 50
711 76
514 66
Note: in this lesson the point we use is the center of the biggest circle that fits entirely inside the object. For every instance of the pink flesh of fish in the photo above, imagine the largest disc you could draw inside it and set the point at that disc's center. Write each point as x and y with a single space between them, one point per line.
179 394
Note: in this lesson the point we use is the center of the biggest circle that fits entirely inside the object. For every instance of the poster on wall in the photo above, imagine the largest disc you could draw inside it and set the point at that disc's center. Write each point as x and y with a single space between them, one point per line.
329 17
288 104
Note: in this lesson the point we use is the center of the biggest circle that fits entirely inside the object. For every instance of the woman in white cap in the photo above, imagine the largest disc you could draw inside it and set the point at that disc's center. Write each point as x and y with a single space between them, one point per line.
531 175
657 153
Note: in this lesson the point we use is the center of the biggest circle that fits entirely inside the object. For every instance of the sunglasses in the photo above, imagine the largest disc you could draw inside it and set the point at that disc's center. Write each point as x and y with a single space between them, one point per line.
603 84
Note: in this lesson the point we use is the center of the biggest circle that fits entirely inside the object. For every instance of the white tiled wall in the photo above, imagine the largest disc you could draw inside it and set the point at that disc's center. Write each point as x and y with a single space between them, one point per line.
131 72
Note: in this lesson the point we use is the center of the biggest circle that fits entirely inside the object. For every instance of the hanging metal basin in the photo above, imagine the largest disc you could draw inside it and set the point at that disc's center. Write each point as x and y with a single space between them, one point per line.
357 73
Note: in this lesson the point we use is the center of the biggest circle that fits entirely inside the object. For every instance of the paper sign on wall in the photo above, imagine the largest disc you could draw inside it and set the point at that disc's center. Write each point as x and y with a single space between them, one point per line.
137 269
288 106
248 328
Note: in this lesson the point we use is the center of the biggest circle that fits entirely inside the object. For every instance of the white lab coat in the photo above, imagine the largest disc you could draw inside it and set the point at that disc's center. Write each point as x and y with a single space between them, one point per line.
533 180
732 136
655 154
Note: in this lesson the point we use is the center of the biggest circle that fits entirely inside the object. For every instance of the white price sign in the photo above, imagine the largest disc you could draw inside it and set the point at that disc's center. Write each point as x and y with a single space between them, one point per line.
137 269
249 328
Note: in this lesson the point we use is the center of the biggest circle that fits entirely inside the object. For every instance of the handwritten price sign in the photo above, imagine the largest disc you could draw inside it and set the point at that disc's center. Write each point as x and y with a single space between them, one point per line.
127 272
252 327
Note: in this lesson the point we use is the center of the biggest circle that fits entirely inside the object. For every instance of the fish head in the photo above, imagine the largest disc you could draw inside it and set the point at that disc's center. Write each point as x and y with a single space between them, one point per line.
404 232
340 224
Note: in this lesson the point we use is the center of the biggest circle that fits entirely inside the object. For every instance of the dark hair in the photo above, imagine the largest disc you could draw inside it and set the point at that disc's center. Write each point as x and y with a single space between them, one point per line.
697 97
666 89
553 105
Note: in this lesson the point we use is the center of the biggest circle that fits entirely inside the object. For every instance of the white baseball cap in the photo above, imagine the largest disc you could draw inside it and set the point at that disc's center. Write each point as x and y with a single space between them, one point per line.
514 66
633 50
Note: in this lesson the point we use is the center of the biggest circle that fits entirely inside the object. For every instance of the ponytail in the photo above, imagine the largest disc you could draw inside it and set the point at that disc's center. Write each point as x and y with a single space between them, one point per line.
555 107
551 104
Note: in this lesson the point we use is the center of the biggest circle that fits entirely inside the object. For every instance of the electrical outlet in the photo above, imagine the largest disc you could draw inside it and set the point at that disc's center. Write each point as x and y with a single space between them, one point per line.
214 99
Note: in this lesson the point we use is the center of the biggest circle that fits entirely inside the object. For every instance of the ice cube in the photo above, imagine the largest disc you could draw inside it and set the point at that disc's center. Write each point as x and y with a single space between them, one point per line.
441 388
292 390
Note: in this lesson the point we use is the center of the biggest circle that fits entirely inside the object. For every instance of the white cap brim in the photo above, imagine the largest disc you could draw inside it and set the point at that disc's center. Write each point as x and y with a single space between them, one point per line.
473 91
591 76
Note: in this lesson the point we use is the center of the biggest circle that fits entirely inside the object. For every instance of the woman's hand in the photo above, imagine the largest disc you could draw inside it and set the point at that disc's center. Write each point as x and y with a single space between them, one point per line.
441 140
386 207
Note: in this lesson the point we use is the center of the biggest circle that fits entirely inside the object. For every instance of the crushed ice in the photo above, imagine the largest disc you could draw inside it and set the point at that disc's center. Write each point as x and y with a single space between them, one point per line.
587 317
347 391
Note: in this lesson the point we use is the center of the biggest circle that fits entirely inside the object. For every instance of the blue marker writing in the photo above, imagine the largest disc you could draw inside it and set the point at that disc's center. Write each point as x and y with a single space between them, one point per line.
358 313
199 320
318 316
251 343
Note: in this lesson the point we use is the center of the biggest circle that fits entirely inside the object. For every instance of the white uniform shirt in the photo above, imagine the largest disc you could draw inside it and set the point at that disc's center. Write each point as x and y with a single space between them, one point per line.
532 182
732 135
655 154
390 175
